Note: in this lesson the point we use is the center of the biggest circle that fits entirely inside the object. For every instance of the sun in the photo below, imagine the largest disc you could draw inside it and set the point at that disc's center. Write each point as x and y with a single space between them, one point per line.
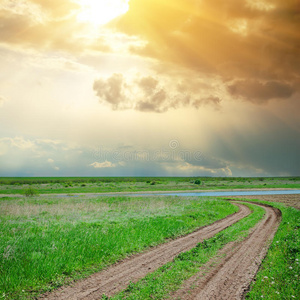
100 12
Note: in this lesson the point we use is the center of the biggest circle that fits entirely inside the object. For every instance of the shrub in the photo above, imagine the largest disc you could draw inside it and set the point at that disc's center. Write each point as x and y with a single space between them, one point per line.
30 192
197 181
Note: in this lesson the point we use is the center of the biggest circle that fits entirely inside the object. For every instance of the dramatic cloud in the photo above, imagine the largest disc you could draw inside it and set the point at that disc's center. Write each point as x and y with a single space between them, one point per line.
46 25
112 90
165 70
256 40
259 92
153 94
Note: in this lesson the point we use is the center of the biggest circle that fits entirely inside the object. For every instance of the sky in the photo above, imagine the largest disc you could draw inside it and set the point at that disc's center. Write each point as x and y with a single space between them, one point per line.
149 88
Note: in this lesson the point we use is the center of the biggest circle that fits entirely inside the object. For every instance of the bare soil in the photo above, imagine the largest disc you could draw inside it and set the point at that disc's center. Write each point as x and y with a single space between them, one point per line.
229 275
289 200
116 278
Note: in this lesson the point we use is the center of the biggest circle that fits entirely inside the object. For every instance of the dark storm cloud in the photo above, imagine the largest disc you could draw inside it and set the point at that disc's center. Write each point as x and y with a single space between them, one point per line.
235 39
269 145
258 92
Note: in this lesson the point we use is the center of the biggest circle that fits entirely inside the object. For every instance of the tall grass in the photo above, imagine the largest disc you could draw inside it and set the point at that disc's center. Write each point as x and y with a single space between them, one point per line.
46 242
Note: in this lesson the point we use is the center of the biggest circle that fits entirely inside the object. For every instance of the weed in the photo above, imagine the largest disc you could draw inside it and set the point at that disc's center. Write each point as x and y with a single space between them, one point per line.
30 192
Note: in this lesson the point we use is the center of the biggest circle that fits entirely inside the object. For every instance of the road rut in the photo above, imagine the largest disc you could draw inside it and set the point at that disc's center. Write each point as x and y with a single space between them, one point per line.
231 277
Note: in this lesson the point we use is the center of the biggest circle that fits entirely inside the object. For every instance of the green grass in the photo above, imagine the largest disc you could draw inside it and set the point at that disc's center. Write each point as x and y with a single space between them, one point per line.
45 242
168 278
279 274
49 185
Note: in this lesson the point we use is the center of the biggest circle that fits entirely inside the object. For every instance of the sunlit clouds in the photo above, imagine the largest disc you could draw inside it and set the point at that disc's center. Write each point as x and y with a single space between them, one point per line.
156 93
220 77
101 12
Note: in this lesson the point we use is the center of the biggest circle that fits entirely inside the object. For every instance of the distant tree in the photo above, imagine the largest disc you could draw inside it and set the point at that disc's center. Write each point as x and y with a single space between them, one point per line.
30 192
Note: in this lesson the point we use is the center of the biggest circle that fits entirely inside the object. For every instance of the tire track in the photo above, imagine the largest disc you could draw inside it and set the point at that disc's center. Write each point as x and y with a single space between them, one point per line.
115 278
232 276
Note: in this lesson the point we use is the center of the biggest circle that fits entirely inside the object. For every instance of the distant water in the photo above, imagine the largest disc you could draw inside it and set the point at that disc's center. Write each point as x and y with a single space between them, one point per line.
224 194
185 194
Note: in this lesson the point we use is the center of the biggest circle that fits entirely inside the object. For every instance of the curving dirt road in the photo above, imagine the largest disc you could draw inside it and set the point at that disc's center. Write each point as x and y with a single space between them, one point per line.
117 277
232 275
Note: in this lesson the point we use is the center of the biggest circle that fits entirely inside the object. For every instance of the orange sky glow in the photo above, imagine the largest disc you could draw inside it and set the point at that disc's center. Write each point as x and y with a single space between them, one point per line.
107 88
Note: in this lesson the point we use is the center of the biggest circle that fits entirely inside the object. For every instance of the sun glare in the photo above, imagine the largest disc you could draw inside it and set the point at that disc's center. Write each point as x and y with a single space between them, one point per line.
100 12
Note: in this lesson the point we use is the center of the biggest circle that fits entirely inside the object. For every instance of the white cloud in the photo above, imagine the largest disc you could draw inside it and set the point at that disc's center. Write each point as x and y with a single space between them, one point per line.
191 170
260 5
24 8
48 141
56 168
18 142
106 164
50 160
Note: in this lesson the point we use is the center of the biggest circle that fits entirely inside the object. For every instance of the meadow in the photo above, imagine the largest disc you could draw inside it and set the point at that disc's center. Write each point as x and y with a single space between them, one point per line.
70 185
47 242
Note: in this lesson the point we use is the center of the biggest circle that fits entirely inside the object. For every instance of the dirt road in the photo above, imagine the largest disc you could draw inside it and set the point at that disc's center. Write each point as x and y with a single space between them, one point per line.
232 275
289 200
118 276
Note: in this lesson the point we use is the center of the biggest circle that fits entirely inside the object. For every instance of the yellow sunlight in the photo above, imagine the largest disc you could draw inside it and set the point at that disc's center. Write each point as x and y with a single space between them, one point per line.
100 12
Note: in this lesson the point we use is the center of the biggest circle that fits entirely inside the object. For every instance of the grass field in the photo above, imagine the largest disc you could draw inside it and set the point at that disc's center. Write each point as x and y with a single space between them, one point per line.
69 185
278 277
45 242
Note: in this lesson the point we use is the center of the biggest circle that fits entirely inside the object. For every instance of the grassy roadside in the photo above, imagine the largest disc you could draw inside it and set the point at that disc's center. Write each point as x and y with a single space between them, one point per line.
159 284
278 277
45 242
